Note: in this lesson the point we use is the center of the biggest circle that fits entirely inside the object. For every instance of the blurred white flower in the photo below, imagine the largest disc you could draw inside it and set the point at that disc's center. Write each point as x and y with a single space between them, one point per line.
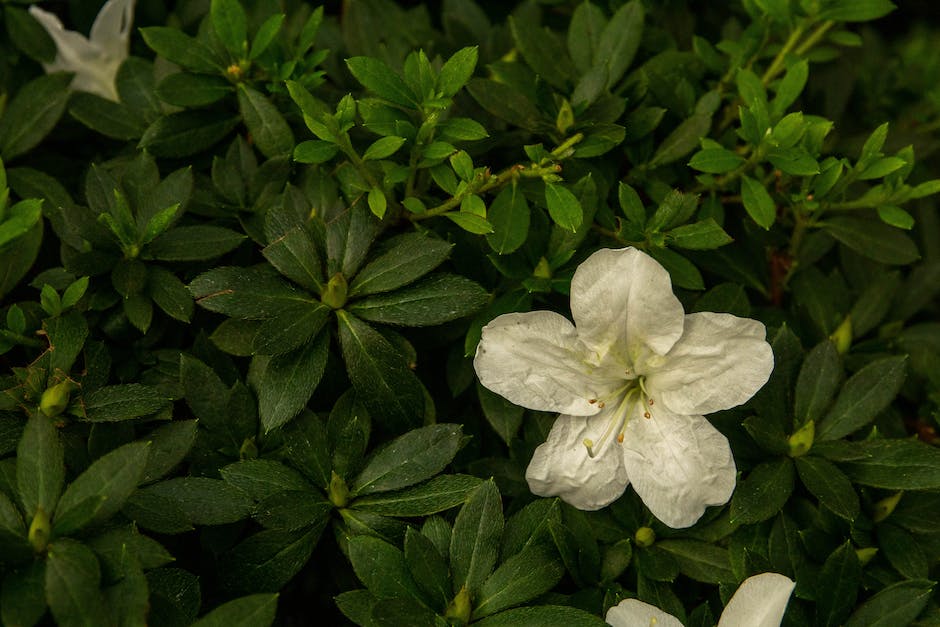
95 59
631 380
760 601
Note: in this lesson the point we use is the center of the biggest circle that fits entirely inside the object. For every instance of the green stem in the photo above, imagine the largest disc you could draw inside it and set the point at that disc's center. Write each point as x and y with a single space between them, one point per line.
815 36
777 64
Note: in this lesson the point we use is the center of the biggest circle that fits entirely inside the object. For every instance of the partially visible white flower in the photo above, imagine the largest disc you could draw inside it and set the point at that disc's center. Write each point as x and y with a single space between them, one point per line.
631 380
760 601
95 59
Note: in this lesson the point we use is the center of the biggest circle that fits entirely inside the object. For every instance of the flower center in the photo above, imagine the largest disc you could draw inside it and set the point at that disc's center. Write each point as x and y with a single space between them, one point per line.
632 393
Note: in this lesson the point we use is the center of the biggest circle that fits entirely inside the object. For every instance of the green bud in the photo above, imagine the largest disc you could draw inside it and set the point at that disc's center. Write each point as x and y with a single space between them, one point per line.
40 530
339 491
616 559
543 270
334 296
565 118
458 610
644 537
885 507
865 555
55 399
842 336
802 440
248 450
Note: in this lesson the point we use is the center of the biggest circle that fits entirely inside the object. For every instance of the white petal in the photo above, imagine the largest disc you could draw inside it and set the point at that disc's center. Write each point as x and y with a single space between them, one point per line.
622 299
73 49
535 360
720 362
562 467
759 602
634 613
112 28
679 465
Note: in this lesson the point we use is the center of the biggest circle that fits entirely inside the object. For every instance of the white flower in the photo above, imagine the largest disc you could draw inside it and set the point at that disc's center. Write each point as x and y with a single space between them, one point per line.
95 59
631 380
760 601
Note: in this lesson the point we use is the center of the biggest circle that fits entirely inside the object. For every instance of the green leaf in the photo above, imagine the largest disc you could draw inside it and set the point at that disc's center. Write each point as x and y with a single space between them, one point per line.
409 459
757 202
20 218
66 335
584 33
293 510
842 574
434 300
699 560
267 560
897 604
377 202
231 25
816 385
388 389
194 243
542 50
169 293
873 239
855 10
252 293
795 161
474 545
186 133
791 86
505 102
440 493
381 568
107 483
686 136
314 151
541 616
259 478
405 259
383 148
202 500
888 464
703 235
631 205
428 569
896 217
32 113
292 327
256 610
563 206
903 550
72 585
763 492
470 222
715 160
683 272
295 255
287 381
109 118
620 40
114 403
863 396
174 45
505 417
40 466
22 594
521 578
267 126
381 80
829 485
462 129
169 444
457 70
509 215
265 35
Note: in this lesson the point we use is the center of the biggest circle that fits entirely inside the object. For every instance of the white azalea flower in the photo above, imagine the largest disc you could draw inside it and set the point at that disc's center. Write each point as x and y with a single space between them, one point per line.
631 380
760 601
95 59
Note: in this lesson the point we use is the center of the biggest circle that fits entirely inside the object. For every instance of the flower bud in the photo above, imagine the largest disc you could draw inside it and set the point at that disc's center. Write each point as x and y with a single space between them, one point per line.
338 491
248 450
542 270
458 611
334 296
842 336
802 440
40 530
55 399
885 507
644 537
865 555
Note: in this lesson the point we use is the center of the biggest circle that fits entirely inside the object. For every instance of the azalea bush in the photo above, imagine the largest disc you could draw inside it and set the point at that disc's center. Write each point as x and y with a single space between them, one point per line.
555 312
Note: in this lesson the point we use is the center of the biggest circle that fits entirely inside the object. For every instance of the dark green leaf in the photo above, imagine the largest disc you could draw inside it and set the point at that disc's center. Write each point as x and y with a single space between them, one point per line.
829 485
873 239
438 494
520 578
509 215
703 235
686 136
888 464
169 294
32 113
715 160
903 550
259 478
763 493
542 616
388 389
174 45
113 403
295 255
897 604
381 567
757 202
563 206
72 585
699 560
204 501
256 610
381 80
287 381
292 327
863 396
267 126
505 417
22 595
405 259
505 102
842 574
620 40
817 382
474 545
186 133
109 118
183 89
231 25
306 447
267 560
40 466
855 10
194 243
409 459
428 569
432 301
252 293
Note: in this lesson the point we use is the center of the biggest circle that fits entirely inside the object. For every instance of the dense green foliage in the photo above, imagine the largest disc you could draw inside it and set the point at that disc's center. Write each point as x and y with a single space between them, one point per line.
239 306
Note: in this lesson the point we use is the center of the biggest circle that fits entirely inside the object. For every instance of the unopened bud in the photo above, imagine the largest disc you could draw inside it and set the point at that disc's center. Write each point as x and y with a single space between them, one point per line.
885 507
40 530
865 555
334 296
543 270
565 118
458 610
802 440
339 491
644 537
842 336
248 450
55 399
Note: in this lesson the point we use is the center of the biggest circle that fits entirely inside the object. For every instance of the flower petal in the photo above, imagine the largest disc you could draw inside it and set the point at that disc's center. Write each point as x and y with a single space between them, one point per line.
634 613
720 362
112 28
535 360
760 601
679 465
562 467
622 299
